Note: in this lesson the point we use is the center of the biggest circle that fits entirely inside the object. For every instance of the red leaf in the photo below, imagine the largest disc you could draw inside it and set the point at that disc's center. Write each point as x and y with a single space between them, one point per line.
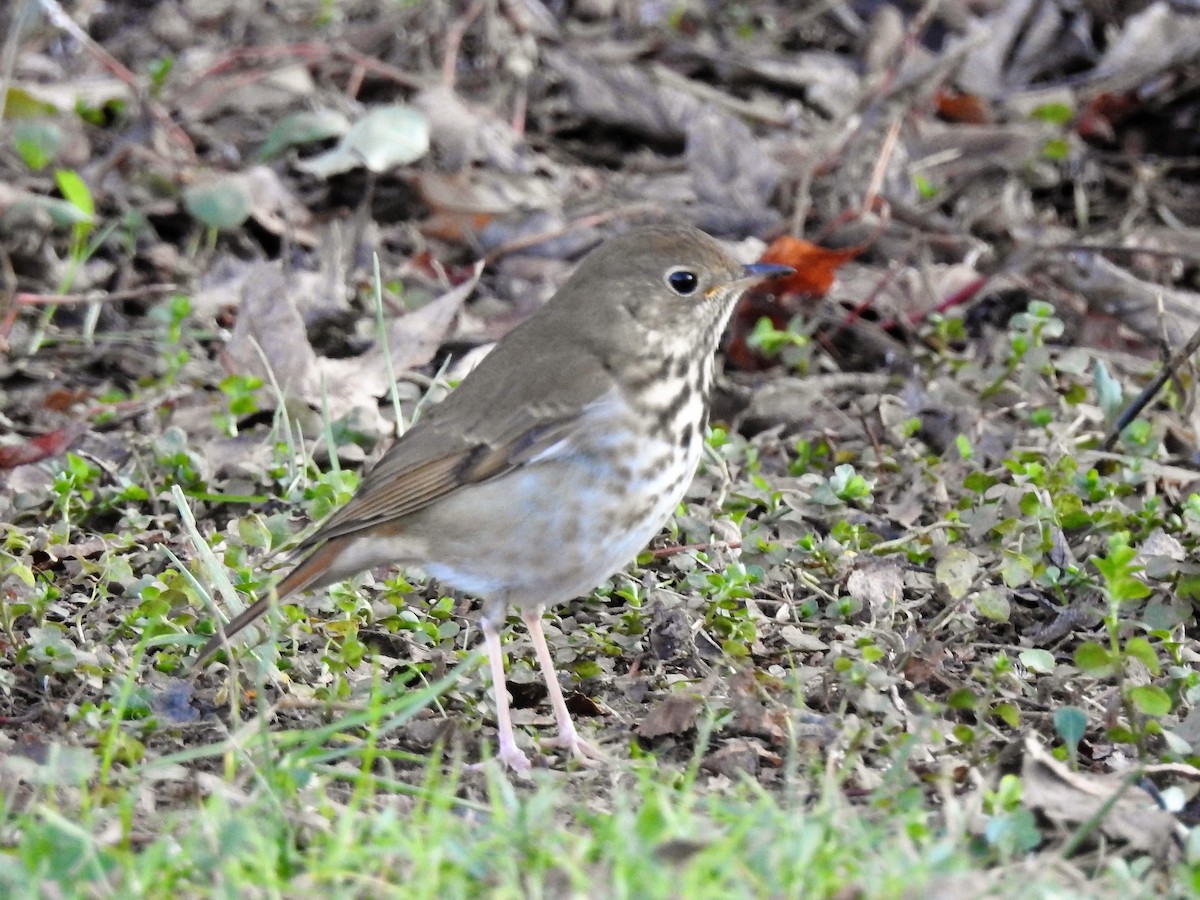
967 108
41 447
816 267
782 298
1103 113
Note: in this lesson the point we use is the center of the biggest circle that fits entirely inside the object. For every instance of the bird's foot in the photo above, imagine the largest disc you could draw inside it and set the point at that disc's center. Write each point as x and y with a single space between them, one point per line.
515 759
587 754
511 757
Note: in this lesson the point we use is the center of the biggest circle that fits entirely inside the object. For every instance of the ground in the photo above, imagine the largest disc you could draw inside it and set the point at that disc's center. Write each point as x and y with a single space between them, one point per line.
920 625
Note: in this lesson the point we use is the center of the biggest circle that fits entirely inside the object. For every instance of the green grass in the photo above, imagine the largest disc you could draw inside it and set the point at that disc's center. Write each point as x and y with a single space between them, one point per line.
348 827
294 777
940 570
336 810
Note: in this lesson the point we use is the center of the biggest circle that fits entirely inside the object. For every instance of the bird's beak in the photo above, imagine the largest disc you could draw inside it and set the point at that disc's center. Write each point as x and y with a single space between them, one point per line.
764 271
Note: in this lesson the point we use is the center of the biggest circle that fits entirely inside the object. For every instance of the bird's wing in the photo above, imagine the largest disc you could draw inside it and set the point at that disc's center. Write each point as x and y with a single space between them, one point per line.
406 479
463 440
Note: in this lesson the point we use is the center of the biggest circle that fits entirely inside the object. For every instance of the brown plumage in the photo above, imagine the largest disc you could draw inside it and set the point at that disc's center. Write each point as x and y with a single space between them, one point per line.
557 458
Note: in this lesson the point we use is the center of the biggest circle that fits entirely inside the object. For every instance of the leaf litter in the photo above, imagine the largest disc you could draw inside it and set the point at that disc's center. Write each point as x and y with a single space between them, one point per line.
1003 222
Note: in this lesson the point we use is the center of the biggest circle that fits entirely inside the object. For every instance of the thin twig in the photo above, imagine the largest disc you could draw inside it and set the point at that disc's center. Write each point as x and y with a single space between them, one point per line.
532 240
454 38
1139 403
59 18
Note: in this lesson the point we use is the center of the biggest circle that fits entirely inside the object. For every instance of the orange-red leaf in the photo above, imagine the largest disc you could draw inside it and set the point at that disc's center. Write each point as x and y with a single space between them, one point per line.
966 108
816 267
41 447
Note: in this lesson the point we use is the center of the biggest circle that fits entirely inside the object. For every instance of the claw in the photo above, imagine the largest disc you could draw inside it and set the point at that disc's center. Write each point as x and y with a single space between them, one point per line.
588 754
513 759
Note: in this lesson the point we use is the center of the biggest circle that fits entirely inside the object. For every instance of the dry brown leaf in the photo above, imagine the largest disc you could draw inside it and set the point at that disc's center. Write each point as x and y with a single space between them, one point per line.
733 178
1074 798
673 715
463 134
1114 291
412 341
43 446
272 91
739 756
1153 41
276 208
877 584
625 96
269 321
799 639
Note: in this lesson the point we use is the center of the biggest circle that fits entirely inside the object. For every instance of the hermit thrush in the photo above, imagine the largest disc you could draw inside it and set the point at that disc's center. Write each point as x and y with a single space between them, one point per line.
558 458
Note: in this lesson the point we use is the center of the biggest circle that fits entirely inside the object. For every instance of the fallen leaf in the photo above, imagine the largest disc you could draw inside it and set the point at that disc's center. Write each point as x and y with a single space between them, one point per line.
41 447
877 584
1075 798
954 106
384 138
673 715
782 298
740 756
956 571
732 175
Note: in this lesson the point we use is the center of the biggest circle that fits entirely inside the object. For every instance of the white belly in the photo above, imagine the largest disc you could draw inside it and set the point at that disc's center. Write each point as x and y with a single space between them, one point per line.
556 528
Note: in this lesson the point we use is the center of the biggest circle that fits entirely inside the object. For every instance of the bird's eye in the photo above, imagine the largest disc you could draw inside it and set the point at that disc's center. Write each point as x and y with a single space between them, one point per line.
682 281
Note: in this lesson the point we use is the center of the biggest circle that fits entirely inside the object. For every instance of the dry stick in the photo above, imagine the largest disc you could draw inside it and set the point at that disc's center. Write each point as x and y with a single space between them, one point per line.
709 94
684 548
1133 409
881 91
454 38
378 67
355 82
96 297
8 297
1106 249
13 306
313 53
885 156
802 199
8 56
59 18
532 240
1016 262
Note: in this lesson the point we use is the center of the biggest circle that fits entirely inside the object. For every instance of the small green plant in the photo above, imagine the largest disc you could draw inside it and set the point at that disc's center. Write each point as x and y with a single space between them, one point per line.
726 614
1032 328
76 192
1054 113
807 455
926 189
172 315
789 344
1122 587
1056 149
178 463
160 70
845 485
1011 828
240 400
1028 333
74 488
37 142
328 491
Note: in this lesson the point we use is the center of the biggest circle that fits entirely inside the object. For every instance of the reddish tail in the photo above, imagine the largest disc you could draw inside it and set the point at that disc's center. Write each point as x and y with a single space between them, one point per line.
307 573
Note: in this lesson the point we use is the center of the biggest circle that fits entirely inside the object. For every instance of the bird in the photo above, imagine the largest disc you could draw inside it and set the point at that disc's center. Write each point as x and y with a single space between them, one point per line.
556 460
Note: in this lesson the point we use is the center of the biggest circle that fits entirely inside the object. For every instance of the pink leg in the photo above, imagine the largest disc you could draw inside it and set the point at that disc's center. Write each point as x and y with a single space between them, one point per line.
568 738
510 754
